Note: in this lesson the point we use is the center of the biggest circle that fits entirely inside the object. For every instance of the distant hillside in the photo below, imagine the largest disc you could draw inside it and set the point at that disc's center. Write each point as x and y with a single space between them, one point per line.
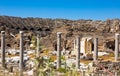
38 24
49 27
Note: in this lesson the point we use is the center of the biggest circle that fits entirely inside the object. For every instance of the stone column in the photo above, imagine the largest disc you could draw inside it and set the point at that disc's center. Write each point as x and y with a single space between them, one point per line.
83 73
85 47
59 50
116 46
90 48
74 45
104 46
78 53
64 46
95 56
3 48
116 74
21 63
38 45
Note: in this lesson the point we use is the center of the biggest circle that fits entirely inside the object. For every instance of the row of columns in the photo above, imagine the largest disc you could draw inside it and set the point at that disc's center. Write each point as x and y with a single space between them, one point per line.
116 53
59 51
21 64
21 48
77 47
77 41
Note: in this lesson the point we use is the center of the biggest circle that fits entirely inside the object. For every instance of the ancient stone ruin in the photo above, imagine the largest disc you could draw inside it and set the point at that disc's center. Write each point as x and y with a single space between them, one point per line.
76 40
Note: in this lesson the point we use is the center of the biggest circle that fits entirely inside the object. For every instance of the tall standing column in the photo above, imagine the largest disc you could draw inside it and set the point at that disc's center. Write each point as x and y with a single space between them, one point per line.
74 45
83 73
116 74
21 64
38 45
59 50
78 53
90 48
116 46
95 49
3 48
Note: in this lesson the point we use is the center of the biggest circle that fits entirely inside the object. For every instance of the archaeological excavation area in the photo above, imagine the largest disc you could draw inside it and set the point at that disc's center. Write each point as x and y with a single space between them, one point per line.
87 57
59 47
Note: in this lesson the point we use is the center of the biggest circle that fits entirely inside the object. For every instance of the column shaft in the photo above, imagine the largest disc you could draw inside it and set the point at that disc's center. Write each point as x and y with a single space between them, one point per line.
95 49
58 50
38 45
116 46
78 53
74 45
21 64
3 48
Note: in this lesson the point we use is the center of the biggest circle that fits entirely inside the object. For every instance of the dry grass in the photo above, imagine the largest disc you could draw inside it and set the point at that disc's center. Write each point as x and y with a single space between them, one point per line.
53 57
85 61
109 57
32 55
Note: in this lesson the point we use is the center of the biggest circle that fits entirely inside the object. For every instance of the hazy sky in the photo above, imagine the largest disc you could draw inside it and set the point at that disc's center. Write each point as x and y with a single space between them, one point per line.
67 9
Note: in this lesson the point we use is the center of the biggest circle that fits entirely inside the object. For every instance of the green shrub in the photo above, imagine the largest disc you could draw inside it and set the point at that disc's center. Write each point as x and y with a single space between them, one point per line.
63 70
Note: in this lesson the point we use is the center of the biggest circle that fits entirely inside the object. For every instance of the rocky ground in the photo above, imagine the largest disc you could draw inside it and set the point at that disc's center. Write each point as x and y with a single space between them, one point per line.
47 63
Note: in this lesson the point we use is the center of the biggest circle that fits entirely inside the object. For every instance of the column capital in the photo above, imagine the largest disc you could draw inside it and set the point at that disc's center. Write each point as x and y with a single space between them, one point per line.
117 34
58 33
2 32
78 36
95 37
21 32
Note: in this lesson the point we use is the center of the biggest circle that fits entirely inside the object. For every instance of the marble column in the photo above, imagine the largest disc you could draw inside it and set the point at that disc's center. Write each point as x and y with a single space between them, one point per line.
3 48
78 53
59 50
116 46
95 56
74 45
116 73
83 73
21 63
38 45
